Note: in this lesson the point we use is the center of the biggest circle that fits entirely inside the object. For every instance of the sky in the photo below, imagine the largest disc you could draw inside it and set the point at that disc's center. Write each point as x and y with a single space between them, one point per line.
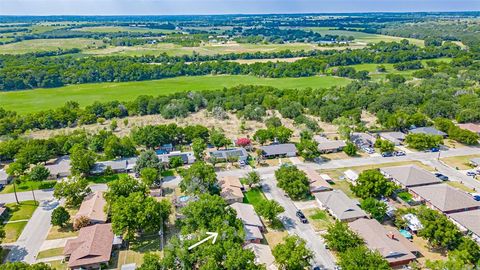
175 7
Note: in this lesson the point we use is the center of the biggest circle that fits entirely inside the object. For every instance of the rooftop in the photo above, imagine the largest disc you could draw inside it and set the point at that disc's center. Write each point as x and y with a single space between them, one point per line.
427 130
317 182
468 219
93 207
341 206
231 187
445 197
92 246
410 175
247 214
279 149
263 255
474 127
60 166
227 153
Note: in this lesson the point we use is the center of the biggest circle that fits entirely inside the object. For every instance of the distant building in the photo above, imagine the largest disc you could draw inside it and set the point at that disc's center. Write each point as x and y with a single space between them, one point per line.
339 205
117 166
238 153
409 176
232 189
91 249
361 139
393 246
93 207
397 138
59 168
329 146
4 177
251 221
279 150
187 157
428 131
445 198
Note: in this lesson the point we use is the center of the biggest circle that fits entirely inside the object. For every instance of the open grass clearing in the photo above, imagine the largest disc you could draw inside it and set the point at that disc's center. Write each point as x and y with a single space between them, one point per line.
28 186
320 219
22 211
104 179
85 94
459 162
54 252
37 45
254 197
13 231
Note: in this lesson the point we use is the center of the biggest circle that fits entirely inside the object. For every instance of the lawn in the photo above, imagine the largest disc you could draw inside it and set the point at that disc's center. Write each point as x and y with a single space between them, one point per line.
103 179
344 186
36 45
29 185
85 94
460 186
320 219
21 211
13 231
54 252
405 196
459 162
136 251
254 197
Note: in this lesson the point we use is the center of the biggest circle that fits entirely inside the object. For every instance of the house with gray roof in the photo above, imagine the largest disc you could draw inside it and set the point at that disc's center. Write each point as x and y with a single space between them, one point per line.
326 145
396 137
187 157
428 131
339 205
279 150
252 223
59 168
468 222
238 153
118 166
445 198
4 177
362 139
393 246
409 176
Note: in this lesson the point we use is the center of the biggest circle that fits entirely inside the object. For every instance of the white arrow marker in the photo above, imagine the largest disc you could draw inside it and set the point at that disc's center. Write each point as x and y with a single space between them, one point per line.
211 235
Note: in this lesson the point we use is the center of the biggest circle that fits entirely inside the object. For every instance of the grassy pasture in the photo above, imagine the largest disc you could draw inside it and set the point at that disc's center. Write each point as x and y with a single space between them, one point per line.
36 45
118 29
85 94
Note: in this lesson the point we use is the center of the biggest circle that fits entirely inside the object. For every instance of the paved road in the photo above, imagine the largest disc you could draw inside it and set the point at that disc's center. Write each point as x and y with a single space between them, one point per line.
40 195
28 244
322 256
454 174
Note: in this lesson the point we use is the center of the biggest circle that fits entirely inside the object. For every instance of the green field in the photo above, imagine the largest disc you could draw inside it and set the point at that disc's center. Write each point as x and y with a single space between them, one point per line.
36 45
85 94
363 37
118 29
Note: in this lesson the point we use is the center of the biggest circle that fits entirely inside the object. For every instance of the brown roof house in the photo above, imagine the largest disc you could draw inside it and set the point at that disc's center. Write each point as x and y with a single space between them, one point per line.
93 208
468 222
445 198
473 127
394 247
251 222
339 205
317 183
232 189
409 176
91 249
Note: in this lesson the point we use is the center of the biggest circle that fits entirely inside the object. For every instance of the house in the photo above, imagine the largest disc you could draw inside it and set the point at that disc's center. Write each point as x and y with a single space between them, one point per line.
393 246
339 205
117 166
409 176
92 207
279 150
468 222
317 182
60 168
475 162
351 176
397 138
232 189
91 249
187 157
473 127
4 177
131 162
239 154
263 255
252 223
428 131
329 146
361 139
445 198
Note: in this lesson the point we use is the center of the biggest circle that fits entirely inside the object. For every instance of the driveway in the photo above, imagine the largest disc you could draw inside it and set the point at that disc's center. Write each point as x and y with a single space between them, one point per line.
322 256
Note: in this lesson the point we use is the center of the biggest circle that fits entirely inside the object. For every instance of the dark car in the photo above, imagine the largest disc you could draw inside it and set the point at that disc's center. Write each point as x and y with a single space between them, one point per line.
476 198
441 176
301 216
1 187
435 149
387 154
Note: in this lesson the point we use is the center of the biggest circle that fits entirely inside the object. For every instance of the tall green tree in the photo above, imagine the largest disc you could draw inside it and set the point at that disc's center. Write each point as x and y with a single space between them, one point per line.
82 160
198 179
340 238
292 254
372 184
361 258
60 216
198 147
73 190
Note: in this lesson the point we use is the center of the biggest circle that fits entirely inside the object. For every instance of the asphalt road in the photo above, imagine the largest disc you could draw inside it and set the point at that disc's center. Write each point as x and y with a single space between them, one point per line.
322 257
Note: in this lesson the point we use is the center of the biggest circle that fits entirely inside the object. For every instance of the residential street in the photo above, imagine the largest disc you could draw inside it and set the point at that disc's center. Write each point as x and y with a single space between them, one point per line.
293 225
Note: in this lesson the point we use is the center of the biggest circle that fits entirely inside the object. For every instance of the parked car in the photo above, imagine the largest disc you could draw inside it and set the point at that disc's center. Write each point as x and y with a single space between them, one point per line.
1 187
470 173
435 149
387 154
399 153
368 150
301 216
476 197
441 176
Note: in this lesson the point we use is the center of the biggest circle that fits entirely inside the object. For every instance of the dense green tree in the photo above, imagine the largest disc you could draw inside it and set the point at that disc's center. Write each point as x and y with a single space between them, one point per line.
198 147
73 190
60 217
372 184
148 159
308 149
38 173
269 209
421 141
218 139
198 179
292 254
175 162
376 208
350 149
293 181
82 160
252 178
384 145
340 238
438 230
149 176
123 187
361 258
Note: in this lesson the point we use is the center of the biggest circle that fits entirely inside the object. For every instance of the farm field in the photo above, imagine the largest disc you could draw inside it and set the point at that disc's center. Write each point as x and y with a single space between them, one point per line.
119 29
85 94
38 45
363 37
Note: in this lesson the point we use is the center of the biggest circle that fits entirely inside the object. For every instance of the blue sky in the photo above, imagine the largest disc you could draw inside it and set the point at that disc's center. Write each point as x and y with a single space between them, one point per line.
165 7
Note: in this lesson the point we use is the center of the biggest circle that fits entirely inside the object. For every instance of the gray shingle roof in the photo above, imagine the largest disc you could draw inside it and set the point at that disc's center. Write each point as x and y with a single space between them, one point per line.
469 220
341 206
410 175
247 214
239 153
279 149
445 197
428 130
